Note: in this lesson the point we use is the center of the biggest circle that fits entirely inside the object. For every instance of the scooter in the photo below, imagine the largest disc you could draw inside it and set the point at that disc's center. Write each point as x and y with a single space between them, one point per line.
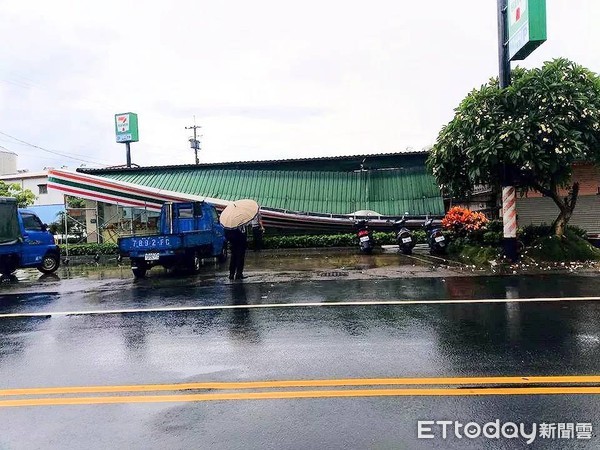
404 237
435 238
365 236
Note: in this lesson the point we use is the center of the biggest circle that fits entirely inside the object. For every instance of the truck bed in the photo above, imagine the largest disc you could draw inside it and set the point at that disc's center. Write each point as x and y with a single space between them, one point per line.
137 245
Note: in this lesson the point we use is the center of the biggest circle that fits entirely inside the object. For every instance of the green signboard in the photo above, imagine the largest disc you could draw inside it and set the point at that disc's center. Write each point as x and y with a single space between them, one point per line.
126 127
526 27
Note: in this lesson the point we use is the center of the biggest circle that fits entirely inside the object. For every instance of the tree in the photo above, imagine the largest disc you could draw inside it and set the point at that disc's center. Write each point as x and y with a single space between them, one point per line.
75 227
24 196
75 202
530 134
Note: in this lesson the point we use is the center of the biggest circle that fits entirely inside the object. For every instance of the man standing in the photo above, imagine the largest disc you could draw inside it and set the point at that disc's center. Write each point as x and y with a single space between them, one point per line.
239 242
257 232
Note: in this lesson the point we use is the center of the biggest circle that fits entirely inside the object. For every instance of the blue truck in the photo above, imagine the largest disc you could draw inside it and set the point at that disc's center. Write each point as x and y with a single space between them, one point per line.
187 233
24 240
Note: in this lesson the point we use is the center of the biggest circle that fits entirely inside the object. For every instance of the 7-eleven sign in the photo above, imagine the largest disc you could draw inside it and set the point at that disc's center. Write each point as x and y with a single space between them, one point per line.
123 123
126 127
526 27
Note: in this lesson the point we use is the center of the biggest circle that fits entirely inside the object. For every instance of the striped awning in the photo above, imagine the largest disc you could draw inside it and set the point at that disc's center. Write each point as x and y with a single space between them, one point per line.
126 194
119 192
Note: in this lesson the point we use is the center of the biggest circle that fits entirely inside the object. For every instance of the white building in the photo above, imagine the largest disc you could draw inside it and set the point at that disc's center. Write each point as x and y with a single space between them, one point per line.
36 182
48 203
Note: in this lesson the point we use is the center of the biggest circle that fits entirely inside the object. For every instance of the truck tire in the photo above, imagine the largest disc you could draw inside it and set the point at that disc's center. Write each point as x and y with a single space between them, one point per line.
139 272
8 264
139 269
195 262
50 263
222 257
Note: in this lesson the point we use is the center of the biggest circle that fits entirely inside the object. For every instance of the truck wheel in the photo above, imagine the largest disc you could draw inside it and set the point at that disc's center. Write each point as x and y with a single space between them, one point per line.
6 271
8 264
195 263
139 268
222 257
139 272
50 263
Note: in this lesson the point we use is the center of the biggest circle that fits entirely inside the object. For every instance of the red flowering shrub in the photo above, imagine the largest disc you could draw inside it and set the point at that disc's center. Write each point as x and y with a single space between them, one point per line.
463 221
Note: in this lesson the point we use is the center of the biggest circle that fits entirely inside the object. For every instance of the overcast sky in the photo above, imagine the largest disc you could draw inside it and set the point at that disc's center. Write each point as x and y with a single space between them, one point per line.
266 79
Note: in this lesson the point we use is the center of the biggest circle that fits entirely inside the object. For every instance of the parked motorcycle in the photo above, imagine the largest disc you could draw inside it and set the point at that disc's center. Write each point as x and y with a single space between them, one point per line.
404 238
366 242
435 238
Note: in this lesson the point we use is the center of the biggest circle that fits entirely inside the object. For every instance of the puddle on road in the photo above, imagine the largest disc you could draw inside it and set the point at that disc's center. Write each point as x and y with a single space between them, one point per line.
325 260
268 266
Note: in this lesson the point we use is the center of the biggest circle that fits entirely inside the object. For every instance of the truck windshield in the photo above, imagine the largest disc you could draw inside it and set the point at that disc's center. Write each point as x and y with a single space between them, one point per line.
32 223
9 224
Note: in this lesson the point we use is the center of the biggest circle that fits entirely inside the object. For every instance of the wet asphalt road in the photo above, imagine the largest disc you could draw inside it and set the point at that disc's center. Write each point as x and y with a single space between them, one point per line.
336 342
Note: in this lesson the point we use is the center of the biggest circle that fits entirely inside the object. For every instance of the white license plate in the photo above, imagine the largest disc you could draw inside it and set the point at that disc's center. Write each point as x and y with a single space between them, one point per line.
406 240
151 256
439 239
364 238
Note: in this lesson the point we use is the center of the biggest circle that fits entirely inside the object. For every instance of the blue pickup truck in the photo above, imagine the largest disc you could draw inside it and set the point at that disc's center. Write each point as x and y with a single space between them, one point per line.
188 232
24 240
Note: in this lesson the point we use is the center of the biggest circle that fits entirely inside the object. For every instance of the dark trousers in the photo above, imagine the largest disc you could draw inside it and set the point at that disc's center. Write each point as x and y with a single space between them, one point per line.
239 243
236 265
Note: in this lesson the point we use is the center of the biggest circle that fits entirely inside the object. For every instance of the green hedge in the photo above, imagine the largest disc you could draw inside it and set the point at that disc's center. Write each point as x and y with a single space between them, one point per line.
270 242
90 249
332 240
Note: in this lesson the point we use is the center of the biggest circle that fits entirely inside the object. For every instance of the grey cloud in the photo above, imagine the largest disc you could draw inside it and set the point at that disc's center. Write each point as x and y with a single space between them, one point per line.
276 112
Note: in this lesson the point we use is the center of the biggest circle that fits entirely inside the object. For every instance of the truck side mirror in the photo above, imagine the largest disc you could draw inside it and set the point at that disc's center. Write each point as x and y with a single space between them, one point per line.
44 227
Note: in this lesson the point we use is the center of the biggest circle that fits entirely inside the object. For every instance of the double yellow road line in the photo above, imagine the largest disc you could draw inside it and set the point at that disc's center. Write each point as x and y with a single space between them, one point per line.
296 389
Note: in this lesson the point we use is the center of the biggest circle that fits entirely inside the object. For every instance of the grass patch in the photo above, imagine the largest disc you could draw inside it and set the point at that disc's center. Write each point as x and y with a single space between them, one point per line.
569 247
477 255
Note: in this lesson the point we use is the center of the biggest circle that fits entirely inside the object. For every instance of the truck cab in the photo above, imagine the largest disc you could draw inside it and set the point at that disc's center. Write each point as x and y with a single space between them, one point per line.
24 240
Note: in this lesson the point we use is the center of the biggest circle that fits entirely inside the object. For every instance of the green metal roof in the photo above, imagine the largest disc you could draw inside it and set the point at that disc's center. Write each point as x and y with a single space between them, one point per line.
389 191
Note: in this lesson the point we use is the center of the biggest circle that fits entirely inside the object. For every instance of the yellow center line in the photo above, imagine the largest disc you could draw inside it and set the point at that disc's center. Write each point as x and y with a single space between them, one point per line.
276 384
277 395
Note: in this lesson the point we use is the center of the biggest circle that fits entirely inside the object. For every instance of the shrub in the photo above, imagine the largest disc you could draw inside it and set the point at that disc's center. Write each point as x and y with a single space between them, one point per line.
492 238
569 247
463 221
531 233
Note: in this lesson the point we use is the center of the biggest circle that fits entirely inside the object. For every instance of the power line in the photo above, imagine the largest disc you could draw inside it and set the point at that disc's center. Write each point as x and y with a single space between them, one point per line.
52 151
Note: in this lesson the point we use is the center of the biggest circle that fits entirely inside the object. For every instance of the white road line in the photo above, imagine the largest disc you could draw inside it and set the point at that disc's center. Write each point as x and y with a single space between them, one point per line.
297 305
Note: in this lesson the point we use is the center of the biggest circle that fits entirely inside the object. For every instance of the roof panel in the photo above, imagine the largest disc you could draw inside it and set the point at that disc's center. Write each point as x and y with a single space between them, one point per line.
390 192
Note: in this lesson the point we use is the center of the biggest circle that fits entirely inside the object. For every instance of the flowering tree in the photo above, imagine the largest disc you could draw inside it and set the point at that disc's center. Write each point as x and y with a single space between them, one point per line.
463 220
529 133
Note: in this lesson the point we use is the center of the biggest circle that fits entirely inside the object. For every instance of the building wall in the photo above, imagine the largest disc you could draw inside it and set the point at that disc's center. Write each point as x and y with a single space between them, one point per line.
36 182
8 163
588 177
534 208
540 210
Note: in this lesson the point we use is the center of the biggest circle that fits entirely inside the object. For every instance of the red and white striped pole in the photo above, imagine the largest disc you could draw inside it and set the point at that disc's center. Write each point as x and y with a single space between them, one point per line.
509 220
509 212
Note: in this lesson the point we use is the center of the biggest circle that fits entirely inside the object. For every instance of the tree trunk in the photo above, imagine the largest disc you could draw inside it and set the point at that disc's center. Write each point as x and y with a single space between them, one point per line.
560 224
566 206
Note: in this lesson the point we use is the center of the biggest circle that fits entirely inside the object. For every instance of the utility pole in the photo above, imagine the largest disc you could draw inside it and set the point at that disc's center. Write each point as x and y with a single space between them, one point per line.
509 197
194 142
